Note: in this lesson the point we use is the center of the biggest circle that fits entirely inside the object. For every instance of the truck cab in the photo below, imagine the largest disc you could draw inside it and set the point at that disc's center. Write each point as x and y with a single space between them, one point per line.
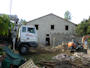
27 37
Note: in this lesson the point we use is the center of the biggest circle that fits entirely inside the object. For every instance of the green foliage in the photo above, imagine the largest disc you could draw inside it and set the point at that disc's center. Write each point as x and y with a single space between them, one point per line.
4 24
67 15
23 22
88 39
83 28
1 51
38 56
88 30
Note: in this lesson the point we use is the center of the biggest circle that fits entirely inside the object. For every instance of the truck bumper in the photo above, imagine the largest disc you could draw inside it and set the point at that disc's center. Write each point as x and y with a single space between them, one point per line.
33 44
30 44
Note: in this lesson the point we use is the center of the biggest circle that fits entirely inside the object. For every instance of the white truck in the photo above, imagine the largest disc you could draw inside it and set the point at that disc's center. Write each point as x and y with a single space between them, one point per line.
23 36
27 37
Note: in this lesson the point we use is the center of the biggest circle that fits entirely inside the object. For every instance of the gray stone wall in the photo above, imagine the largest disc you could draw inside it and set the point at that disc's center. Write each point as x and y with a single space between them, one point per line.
58 38
44 27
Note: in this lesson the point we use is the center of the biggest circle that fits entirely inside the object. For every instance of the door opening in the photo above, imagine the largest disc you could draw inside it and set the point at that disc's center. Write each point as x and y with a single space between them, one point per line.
48 41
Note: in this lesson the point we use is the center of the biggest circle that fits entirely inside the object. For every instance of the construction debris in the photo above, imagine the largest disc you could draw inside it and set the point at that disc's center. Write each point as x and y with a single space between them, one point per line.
64 57
85 58
59 64
29 64
61 61
79 59
79 55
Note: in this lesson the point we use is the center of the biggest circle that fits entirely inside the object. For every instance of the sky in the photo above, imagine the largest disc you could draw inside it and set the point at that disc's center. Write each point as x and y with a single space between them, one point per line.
32 9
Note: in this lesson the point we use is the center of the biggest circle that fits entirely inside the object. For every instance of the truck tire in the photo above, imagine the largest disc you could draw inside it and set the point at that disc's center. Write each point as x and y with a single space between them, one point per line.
23 49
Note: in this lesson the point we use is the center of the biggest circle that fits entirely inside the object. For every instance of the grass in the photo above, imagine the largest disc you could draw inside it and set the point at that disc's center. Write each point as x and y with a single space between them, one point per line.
37 57
41 55
88 40
44 54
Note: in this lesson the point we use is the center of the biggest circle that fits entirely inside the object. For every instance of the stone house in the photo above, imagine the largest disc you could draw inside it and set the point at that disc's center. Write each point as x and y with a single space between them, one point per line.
50 25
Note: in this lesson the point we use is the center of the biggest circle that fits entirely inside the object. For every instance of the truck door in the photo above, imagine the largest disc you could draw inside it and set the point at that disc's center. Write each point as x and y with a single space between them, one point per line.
22 34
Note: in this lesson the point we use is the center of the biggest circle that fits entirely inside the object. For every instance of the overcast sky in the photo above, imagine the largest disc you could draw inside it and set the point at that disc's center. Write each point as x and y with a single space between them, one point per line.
31 9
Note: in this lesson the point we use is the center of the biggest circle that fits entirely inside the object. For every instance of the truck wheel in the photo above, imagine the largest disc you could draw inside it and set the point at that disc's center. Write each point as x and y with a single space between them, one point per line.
23 49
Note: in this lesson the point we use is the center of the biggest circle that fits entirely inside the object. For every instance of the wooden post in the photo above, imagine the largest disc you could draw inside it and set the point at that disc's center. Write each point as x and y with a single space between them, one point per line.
53 42
14 44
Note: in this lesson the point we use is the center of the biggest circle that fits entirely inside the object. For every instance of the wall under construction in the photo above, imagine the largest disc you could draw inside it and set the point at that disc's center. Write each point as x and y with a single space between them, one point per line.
58 38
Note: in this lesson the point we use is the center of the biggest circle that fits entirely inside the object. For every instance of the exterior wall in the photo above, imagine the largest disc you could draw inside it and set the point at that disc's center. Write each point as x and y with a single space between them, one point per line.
45 26
58 38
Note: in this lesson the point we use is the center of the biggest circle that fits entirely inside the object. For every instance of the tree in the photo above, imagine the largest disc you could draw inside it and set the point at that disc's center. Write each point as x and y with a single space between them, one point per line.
83 28
4 24
67 15
23 22
88 30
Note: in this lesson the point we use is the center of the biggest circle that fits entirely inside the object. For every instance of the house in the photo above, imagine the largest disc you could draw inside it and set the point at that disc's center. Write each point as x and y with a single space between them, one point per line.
49 26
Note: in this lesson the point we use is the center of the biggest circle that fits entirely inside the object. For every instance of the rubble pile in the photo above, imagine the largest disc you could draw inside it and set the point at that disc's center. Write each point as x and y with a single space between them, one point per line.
64 57
63 47
85 58
63 64
58 48
79 59
61 61
51 49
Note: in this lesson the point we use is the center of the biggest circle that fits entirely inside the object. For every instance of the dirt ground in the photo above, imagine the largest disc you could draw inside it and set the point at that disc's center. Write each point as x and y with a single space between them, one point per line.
46 54
41 54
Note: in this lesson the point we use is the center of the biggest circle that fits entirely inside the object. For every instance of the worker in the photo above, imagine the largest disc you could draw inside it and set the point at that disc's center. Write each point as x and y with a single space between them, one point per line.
83 38
75 42
72 44
84 42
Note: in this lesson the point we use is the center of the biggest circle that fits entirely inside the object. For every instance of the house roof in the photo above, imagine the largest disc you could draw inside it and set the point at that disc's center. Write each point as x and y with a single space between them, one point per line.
51 14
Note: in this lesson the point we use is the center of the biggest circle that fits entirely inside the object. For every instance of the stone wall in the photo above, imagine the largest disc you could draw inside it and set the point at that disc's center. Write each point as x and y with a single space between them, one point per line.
58 38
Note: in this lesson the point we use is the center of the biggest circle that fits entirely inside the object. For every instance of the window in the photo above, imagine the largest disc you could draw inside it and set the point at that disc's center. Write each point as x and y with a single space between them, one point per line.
36 27
31 30
52 27
23 29
66 27
47 34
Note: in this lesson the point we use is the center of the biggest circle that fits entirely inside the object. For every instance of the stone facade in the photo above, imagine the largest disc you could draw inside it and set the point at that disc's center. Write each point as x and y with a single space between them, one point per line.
58 38
49 25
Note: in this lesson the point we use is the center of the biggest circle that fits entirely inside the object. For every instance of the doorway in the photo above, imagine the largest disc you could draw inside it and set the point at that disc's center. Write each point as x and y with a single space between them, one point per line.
47 41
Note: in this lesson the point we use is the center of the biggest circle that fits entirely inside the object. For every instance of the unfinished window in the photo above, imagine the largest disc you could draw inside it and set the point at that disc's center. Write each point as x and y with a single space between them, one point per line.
52 27
47 34
66 27
36 27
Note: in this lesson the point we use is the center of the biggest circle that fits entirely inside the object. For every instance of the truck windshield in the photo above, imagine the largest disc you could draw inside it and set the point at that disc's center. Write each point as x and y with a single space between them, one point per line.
31 30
